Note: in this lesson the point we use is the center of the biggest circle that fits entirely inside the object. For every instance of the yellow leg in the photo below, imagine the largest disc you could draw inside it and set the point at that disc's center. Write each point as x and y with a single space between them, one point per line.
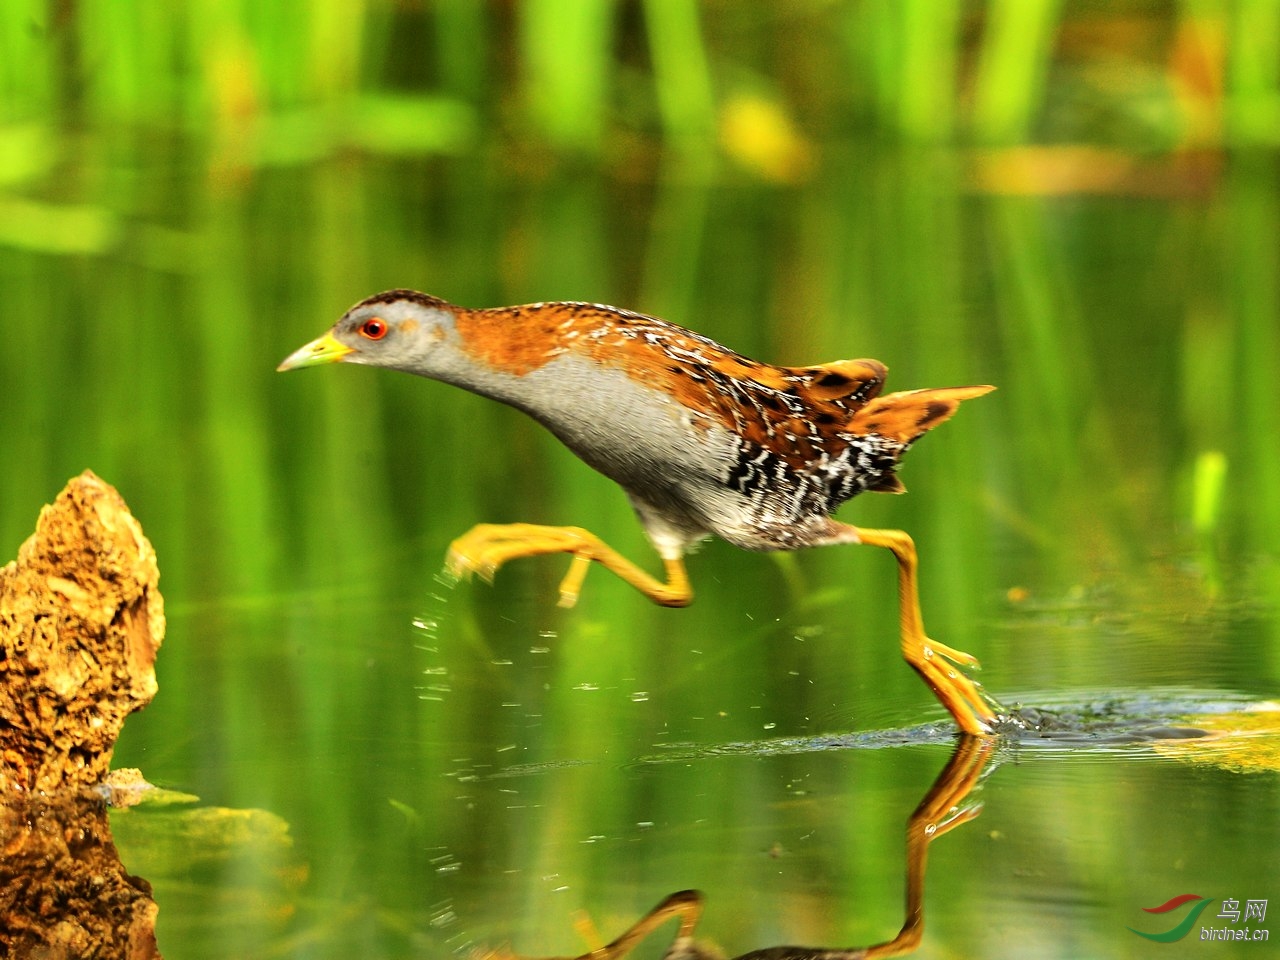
486 547
937 663
687 905
938 813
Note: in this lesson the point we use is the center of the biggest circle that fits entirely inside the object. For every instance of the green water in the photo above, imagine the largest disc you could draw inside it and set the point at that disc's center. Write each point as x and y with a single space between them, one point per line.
442 766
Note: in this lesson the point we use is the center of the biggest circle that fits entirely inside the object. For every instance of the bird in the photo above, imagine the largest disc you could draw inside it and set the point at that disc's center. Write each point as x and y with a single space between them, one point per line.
703 440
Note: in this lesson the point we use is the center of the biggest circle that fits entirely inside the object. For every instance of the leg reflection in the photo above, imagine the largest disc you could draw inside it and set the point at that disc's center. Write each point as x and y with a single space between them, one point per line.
942 810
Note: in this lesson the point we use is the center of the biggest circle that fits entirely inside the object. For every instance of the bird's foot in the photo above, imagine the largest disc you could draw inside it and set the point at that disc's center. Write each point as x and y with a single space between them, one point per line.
959 657
941 667
486 547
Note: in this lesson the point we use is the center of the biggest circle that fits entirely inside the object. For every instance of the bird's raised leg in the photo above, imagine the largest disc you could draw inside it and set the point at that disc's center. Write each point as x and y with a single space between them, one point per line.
487 546
937 663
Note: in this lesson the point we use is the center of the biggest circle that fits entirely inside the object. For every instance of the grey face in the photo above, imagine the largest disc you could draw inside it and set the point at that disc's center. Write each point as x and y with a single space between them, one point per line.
395 330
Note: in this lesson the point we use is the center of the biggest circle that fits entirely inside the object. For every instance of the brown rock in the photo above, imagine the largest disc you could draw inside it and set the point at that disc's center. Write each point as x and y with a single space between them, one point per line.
81 619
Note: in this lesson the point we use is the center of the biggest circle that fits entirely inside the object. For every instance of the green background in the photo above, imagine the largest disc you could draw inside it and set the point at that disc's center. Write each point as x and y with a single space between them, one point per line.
1077 202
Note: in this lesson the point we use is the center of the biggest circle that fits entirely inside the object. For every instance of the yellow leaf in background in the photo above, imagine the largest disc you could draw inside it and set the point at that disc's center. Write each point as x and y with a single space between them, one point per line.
758 133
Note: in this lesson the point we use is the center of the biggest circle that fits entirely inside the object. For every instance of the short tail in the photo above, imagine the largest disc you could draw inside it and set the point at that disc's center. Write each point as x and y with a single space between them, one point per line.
905 416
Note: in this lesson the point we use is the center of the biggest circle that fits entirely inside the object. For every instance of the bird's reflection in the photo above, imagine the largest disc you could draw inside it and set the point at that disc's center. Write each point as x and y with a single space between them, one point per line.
944 807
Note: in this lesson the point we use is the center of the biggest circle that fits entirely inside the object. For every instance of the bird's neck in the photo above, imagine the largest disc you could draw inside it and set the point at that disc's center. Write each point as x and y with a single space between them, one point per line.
492 353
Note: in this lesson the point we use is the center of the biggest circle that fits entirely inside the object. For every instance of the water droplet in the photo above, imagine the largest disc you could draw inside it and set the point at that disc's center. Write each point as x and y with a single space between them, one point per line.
443 916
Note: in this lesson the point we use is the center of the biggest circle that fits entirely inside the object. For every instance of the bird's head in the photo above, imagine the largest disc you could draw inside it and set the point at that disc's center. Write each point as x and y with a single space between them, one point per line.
397 329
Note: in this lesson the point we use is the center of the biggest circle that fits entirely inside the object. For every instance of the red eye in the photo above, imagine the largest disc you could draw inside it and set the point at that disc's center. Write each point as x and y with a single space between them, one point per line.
375 328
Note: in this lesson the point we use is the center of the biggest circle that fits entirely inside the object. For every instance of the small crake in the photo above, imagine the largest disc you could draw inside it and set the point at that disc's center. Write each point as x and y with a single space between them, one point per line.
703 440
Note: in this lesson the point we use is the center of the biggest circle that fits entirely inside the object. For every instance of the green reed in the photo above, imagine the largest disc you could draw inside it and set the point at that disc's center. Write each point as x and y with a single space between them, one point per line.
1253 70
564 60
1014 59
574 75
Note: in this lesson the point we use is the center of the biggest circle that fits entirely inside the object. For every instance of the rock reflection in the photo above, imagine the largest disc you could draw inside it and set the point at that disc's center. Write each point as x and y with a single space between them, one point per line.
63 890
942 809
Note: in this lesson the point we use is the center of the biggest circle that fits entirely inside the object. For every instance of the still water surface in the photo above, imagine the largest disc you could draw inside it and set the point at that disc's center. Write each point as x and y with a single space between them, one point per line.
422 767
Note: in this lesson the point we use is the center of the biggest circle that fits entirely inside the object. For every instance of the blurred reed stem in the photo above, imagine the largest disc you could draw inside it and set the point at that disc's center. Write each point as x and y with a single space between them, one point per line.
681 74
1253 72
565 50
907 52
464 42
1013 68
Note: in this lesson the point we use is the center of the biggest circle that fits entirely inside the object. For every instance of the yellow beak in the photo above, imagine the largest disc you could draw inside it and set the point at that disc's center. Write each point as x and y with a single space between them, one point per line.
326 349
